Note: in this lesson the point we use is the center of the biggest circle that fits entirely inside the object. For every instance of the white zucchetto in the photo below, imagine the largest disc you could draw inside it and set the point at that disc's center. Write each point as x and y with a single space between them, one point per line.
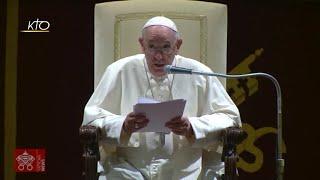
161 21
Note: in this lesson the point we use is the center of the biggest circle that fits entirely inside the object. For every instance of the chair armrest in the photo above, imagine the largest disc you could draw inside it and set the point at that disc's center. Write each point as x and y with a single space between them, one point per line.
231 137
89 138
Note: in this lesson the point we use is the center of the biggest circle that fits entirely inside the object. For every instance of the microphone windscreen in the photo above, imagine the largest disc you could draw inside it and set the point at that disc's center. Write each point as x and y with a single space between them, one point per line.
167 68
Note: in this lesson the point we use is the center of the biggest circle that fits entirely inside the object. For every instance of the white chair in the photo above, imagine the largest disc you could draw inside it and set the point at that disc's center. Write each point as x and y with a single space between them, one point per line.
202 25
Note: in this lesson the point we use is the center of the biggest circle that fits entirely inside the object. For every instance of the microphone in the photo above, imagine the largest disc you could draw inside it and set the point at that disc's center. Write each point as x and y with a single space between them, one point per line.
279 160
177 70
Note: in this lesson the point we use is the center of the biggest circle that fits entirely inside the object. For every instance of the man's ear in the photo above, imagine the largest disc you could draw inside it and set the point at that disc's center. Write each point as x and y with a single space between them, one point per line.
178 43
141 44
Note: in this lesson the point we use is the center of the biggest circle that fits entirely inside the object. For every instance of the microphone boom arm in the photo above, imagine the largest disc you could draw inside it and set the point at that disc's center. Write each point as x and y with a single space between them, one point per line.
279 160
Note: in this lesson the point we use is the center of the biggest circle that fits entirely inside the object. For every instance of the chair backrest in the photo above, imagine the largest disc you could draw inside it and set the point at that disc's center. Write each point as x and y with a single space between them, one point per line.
202 25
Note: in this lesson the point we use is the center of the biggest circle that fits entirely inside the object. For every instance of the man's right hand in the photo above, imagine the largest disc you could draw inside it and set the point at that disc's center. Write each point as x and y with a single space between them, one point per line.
134 122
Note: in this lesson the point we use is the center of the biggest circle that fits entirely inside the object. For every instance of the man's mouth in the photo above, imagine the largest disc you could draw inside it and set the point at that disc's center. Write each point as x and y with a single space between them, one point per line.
159 65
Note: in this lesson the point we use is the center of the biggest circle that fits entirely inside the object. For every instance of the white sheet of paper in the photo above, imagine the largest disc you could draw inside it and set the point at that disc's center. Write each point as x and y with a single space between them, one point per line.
144 100
159 113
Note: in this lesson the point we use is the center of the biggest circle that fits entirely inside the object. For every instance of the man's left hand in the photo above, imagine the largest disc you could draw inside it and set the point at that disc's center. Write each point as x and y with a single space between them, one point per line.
180 126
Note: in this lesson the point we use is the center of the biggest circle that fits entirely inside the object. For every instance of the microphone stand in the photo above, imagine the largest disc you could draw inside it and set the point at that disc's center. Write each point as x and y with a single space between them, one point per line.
279 160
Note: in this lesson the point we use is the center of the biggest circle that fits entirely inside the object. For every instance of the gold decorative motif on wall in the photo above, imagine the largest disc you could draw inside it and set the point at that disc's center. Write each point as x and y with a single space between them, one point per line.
240 90
248 146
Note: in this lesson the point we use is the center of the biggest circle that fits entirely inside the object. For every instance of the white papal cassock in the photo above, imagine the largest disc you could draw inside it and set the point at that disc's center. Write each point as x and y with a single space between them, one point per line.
142 156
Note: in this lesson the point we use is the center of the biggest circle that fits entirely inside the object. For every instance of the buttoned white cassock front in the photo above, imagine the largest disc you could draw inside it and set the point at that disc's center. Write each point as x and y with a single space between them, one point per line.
208 107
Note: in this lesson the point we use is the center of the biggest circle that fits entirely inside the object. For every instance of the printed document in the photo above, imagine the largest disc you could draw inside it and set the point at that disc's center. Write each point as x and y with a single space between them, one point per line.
159 113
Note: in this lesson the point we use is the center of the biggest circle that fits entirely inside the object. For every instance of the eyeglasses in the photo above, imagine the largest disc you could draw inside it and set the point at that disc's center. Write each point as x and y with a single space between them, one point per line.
166 50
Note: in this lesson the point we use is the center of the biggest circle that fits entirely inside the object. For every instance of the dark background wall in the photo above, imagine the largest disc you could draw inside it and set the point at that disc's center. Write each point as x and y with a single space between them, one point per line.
289 34
2 65
55 79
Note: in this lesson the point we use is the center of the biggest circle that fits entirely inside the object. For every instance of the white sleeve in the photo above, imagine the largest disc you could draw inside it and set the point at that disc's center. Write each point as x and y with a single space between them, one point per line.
218 113
103 108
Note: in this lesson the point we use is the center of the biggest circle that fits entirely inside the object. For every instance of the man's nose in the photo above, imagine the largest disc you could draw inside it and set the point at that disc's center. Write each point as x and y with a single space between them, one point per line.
158 55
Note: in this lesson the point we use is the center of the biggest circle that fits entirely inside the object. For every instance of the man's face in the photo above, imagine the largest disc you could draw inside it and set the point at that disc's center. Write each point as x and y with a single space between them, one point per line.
160 45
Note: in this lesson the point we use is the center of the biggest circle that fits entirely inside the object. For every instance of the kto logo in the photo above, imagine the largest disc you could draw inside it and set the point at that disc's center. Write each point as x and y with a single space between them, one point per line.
37 26
30 160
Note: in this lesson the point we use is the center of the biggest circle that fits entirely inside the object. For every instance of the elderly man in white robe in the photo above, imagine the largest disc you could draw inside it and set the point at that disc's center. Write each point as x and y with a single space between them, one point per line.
129 154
